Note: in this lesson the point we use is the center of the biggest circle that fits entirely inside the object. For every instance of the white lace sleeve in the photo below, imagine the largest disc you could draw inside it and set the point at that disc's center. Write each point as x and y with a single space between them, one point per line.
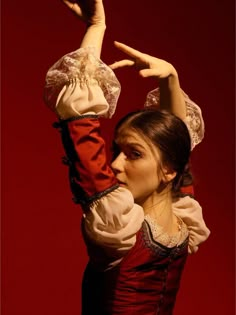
95 79
193 121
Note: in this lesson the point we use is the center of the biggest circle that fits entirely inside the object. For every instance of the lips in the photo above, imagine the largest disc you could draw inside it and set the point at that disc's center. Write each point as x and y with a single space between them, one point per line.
121 183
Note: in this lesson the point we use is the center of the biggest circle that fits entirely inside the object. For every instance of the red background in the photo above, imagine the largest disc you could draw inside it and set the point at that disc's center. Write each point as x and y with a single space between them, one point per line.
43 256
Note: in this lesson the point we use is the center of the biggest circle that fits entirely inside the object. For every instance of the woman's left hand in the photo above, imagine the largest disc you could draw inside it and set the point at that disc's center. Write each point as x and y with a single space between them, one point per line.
89 11
147 65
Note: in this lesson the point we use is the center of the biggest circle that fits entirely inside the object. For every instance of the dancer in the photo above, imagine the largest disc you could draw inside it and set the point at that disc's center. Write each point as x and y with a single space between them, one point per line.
139 224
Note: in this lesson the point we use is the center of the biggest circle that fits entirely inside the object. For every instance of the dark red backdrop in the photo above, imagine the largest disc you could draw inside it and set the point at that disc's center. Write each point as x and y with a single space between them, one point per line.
43 256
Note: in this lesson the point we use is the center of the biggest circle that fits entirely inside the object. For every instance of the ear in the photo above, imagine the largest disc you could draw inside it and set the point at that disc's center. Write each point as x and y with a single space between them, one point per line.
168 174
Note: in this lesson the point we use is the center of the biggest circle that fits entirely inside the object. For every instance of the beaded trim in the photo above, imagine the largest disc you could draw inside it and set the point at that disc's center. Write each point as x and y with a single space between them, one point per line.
89 200
159 249
61 122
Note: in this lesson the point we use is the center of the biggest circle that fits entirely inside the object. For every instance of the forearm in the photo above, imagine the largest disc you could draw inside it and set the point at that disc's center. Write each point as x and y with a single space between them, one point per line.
94 37
171 96
85 150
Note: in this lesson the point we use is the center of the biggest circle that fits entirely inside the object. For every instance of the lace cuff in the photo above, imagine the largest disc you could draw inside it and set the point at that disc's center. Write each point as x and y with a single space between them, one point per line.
193 121
95 82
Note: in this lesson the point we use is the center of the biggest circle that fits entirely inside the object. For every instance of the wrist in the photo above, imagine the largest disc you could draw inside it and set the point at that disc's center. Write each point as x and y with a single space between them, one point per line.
172 78
170 83
98 25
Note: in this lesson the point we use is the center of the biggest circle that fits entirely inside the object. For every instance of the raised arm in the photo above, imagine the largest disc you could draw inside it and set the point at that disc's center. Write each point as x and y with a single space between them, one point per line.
171 96
92 13
90 84
79 89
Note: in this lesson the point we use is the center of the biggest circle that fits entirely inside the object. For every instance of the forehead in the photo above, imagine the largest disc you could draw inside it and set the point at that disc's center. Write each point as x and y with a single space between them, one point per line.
128 136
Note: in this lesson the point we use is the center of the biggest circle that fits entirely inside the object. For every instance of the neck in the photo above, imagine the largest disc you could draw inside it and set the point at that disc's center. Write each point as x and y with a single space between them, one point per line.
159 206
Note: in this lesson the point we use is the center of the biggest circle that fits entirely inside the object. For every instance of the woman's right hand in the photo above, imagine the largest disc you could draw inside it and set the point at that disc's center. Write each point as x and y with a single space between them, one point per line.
89 11
171 96
148 66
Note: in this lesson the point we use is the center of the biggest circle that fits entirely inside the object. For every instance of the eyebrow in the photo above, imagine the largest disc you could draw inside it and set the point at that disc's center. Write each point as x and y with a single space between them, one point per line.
136 144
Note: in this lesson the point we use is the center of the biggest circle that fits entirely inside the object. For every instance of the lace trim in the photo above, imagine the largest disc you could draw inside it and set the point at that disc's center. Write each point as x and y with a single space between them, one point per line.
164 238
84 65
194 120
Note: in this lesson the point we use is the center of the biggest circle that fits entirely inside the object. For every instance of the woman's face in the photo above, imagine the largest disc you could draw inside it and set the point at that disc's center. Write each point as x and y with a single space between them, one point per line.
136 165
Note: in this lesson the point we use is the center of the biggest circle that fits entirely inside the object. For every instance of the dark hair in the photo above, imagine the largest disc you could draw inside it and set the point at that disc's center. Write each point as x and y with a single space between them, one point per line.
169 134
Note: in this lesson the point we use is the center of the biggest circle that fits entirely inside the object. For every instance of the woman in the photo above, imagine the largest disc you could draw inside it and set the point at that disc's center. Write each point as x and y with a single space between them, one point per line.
137 229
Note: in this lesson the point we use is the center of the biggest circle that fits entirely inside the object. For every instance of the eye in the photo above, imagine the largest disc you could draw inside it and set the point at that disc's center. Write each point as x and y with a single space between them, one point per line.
134 155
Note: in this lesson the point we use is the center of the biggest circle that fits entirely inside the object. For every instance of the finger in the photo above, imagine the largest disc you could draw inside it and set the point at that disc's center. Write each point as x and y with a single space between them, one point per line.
74 7
68 3
122 63
145 73
128 50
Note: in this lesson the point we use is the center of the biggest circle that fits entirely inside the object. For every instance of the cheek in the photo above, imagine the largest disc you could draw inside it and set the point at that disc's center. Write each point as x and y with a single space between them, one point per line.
143 180
150 181
145 188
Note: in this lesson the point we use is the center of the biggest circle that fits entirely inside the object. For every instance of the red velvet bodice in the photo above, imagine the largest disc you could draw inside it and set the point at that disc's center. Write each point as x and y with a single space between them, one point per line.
144 283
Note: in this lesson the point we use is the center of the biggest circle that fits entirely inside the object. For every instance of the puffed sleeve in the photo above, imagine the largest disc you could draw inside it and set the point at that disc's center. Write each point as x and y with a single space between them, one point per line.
92 85
111 219
190 211
194 120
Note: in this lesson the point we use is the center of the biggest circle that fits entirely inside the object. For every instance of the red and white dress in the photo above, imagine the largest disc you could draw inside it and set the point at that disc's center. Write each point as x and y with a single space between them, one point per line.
134 266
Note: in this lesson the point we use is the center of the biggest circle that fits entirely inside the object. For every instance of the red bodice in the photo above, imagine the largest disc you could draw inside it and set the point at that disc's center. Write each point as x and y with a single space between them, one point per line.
144 283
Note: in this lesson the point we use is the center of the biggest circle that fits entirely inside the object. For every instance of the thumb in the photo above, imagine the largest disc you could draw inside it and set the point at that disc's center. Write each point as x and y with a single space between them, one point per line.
145 73
121 63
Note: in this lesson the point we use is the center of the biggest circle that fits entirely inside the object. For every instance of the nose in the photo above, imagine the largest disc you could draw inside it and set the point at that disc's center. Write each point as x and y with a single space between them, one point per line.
118 164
